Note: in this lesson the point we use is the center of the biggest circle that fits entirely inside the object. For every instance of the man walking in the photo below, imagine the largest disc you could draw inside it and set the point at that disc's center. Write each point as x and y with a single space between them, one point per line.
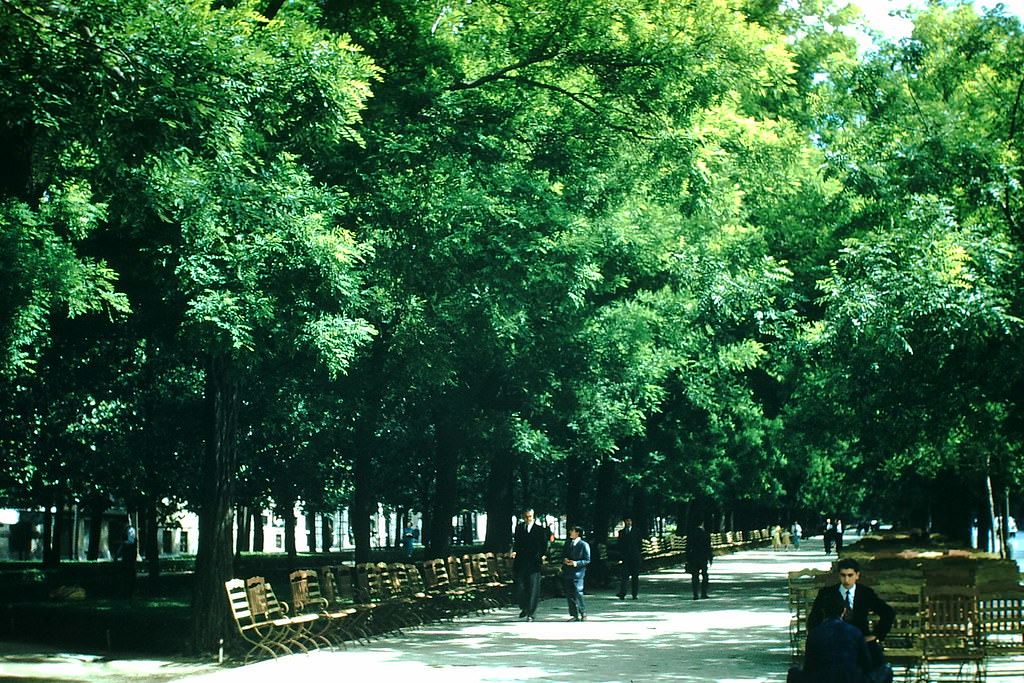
529 550
699 557
575 558
631 547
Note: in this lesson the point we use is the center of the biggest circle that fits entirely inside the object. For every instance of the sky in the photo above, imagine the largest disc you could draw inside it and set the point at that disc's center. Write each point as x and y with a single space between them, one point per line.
877 13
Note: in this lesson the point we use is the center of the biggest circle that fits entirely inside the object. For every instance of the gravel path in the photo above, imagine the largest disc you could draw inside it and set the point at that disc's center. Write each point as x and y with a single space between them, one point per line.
739 634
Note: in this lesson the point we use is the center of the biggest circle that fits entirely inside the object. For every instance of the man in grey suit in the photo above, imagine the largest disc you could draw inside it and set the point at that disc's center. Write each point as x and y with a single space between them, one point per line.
575 558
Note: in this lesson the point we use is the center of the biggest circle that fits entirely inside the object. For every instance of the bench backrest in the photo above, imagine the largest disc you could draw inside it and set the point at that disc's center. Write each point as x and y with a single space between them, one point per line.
239 601
326 584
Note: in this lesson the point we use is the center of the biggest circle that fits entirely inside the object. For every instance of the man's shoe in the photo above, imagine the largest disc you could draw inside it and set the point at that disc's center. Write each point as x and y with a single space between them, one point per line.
621 596
583 617
530 618
705 595
522 613
634 597
574 618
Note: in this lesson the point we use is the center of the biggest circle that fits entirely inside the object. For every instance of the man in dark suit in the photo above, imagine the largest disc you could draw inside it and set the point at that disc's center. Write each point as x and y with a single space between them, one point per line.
575 558
529 549
699 557
836 651
855 603
828 535
631 548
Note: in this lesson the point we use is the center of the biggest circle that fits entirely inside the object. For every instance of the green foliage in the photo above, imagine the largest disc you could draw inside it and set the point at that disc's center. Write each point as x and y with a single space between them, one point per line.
43 275
484 254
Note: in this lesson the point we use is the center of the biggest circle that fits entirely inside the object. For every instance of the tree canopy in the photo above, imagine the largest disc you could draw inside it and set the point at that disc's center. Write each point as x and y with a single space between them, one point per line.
702 259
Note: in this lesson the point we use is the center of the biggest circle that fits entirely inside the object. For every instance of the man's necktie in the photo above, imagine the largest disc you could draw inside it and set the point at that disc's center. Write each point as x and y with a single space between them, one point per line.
849 604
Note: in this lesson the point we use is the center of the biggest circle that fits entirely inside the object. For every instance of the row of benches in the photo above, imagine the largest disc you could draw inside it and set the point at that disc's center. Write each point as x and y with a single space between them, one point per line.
671 549
941 632
335 604
338 603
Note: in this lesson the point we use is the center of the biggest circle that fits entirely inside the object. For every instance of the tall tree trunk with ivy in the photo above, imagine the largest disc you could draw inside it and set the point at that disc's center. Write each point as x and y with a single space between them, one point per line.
210 615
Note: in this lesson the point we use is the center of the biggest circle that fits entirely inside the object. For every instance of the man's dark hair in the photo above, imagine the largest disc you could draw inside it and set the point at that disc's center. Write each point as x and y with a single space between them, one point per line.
848 563
577 529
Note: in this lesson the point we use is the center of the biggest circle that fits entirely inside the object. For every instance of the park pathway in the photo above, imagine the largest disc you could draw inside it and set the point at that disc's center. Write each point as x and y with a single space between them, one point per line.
739 634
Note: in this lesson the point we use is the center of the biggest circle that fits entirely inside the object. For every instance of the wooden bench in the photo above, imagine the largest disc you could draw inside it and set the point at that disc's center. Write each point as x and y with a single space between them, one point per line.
338 588
408 582
263 620
495 591
802 587
1001 629
950 635
904 646
307 598
457 601
260 633
389 612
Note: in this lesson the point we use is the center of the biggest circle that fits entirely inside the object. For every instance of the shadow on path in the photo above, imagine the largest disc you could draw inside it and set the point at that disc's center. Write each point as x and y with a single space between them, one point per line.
739 634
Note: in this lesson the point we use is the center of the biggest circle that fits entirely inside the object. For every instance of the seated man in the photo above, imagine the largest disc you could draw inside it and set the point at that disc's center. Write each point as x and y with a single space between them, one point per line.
836 651
855 603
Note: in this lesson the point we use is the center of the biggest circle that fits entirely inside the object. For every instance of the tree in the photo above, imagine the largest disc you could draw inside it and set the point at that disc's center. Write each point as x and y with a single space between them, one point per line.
502 144
186 129
923 136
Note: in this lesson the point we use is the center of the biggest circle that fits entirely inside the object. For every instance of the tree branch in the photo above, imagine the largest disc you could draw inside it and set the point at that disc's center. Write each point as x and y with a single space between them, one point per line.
491 77
1015 109
84 35
578 99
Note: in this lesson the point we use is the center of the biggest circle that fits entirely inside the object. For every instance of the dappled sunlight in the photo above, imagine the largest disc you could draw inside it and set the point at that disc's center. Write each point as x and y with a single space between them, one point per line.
739 634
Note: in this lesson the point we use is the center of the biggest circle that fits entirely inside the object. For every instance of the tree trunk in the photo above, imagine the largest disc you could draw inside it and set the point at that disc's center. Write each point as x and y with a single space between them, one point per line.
995 546
1004 528
286 511
210 614
683 518
362 503
311 532
427 529
243 520
96 510
60 530
151 544
401 515
500 508
641 511
327 532
257 530
51 556
573 491
605 514
445 503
